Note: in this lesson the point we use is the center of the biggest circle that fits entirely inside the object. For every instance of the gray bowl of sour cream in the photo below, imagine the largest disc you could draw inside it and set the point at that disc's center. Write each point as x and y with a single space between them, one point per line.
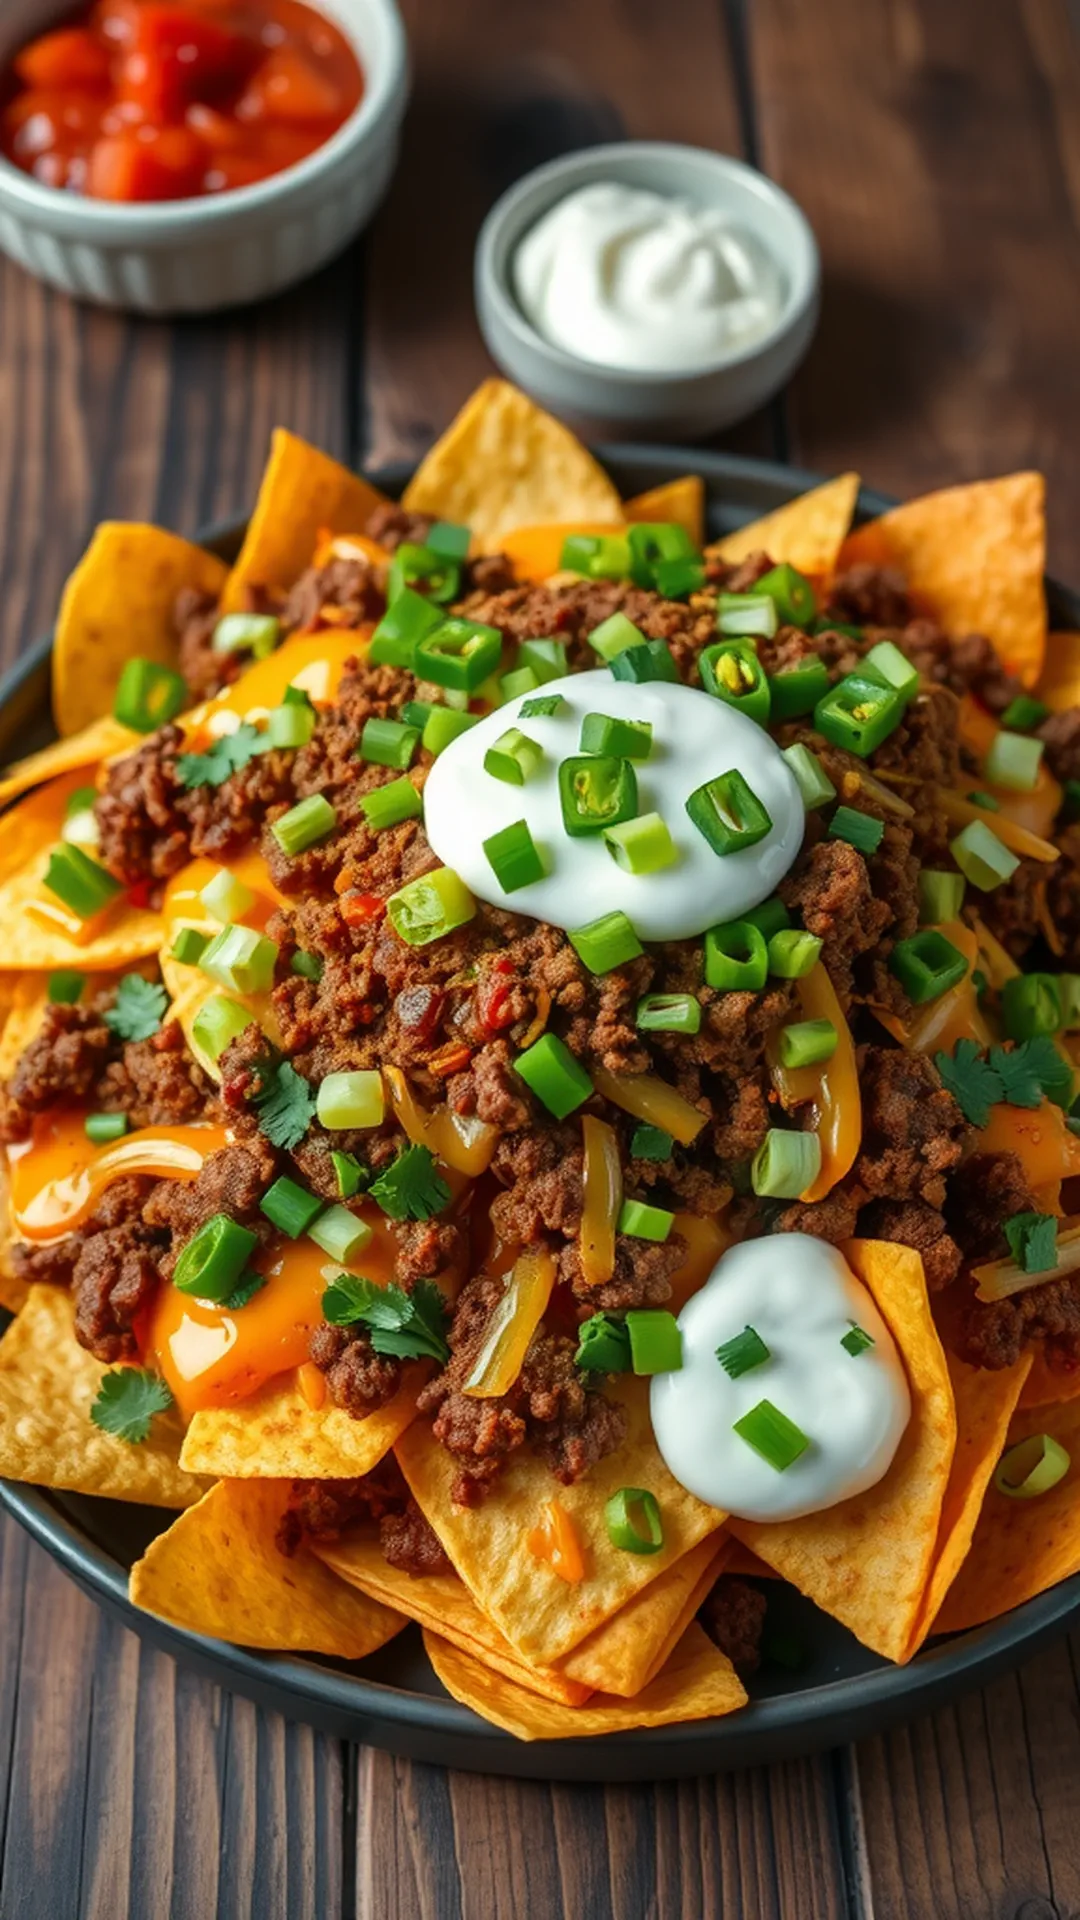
663 288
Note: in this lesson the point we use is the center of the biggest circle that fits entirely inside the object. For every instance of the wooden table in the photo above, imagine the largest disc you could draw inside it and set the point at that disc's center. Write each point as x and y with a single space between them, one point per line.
935 145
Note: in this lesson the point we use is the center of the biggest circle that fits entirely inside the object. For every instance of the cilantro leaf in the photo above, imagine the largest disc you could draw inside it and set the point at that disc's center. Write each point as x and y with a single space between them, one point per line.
1032 1239
974 1084
138 1009
412 1188
406 1326
225 757
286 1106
1019 1083
1053 1073
249 1284
127 1401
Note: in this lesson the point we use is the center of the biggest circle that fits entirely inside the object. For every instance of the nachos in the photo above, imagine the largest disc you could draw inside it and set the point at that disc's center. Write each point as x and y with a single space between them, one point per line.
538 1062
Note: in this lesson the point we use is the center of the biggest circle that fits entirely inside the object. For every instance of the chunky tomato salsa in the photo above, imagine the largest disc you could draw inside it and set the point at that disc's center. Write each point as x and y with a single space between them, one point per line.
132 100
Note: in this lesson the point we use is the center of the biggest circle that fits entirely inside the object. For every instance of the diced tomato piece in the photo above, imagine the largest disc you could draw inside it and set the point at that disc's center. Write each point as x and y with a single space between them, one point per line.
287 86
151 163
115 21
70 57
178 56
218 131
38 121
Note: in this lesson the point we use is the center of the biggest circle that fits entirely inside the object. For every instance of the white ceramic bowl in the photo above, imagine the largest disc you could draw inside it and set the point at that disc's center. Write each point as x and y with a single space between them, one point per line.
682 405
191 256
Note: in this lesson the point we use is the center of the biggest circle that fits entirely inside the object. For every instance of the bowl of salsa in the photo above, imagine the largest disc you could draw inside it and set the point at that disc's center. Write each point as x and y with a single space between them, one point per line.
180 155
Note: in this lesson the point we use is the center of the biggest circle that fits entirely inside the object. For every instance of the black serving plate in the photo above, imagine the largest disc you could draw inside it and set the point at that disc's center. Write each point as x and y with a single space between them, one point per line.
393 1700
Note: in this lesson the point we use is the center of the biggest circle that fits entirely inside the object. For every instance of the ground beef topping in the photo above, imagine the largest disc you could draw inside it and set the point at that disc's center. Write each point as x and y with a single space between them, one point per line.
733 1615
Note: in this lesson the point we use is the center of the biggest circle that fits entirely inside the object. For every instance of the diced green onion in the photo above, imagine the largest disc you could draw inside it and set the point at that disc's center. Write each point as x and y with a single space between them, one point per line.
443 725
653 660
546 658
402 627
651 1143
614 635
806 1042
388 743
642 1222
543 707
213 1261
859 829
596 791
655 1340
793 953
797 690
449 539
886 663
148 695
858 714
1032 1239
551 1071
792 592
742 1353
514 857
729 814
217 1023
732 672
1030 1005
80 828
290 1207
226 898
102 1128
355 1098
1013 761
340 1234
290 725
605 943
307 965
633 1521
736 957
304 825
785 1164
653 543
431 907
856 1340
927 965
1069 995
770 917
521 680
603 1345
513 758
988 801
240 959
460 653
624 739
414 565
1031 1467
668 1013
254 633
348 1172
747 613
941 896
417 713
810 777
1024 712
81 883
981 857
598 556
641 845
82 800
771 1434
297 696
676 579
65 987
388 806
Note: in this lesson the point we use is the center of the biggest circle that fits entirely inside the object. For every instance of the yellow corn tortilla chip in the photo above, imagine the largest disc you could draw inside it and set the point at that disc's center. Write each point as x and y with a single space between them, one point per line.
542 1615
975 556
1058 684
218 1571
808 532
127 932
303 494
119 602
101 740
985 1404
867 1561
746 1565
505 463
1021 1547
680 502
13 1291
698 1683
26 1010
48 1384
276 1436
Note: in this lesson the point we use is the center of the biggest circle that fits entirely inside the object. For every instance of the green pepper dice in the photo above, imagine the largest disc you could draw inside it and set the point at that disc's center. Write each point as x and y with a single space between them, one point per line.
732 672
859 714
459 653
597 791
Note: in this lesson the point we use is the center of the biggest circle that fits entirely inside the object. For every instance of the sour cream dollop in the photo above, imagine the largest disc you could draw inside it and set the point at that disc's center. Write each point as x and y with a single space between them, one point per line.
628 278
802 1298
694 738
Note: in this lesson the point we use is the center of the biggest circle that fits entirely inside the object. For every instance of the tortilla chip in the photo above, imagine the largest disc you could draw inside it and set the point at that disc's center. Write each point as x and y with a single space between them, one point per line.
540 1614
681 502
1047 1386
504 463
1058 684
101 740
218 1571
118 602
975 556
14 1292
746 1565
304 494
29 998
867 1561
1021 1547
127 932
48 1384
985 1404
276 1436
698 1683
808 532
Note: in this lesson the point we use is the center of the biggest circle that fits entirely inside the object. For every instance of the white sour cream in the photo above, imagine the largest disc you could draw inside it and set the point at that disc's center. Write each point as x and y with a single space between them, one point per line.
801 1296
695 737
628 278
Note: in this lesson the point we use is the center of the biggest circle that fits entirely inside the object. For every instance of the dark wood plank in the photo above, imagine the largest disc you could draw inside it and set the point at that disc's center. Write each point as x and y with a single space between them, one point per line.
936 149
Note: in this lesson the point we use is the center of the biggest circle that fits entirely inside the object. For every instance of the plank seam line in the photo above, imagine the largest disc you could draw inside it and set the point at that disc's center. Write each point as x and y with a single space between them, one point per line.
350 1815
9 1527
851 1828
